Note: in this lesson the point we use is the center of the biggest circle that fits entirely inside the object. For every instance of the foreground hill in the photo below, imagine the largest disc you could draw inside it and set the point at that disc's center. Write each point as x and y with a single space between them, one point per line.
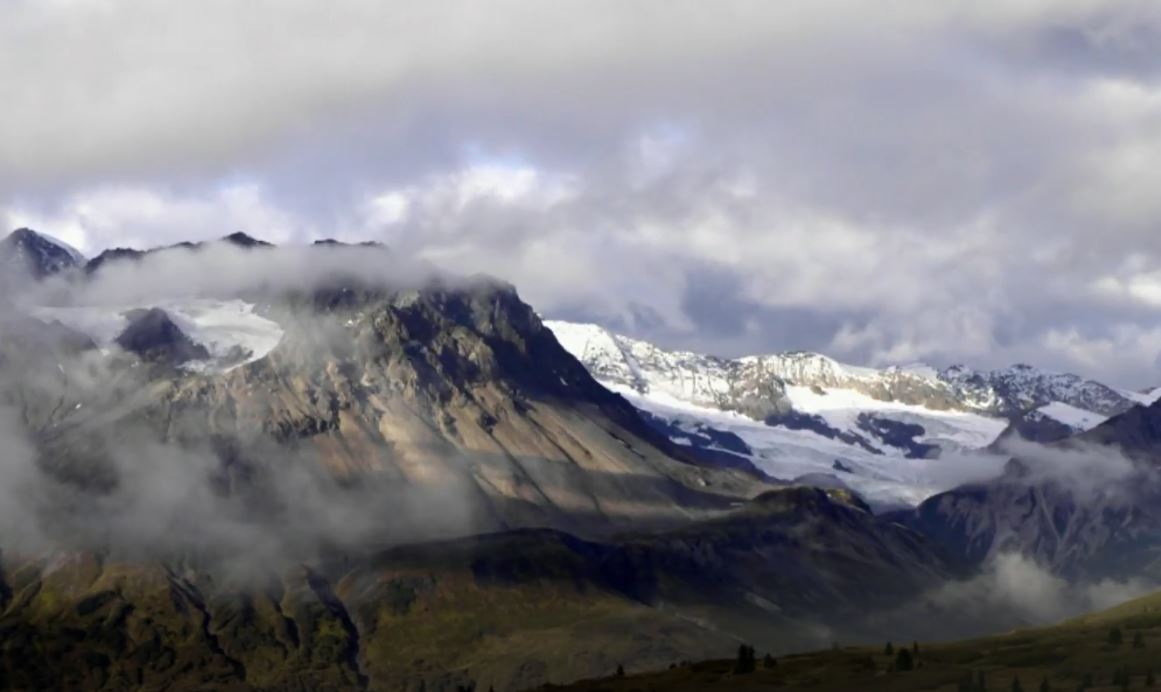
1110 650
507 611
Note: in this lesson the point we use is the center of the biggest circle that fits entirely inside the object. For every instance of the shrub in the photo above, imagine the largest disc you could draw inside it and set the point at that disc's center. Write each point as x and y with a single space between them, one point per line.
1115 636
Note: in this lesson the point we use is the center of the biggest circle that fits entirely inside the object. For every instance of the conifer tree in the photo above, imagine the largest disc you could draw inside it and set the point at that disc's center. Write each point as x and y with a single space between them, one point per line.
745 663
904 661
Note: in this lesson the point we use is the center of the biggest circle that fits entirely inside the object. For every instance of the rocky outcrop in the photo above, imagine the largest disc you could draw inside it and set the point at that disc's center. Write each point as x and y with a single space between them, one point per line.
154 337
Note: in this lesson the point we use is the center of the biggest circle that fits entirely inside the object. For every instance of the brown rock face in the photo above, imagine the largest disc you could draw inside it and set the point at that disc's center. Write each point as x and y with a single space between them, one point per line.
460 386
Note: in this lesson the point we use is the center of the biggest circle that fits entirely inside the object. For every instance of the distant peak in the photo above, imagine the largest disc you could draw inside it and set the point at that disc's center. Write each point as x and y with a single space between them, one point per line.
245 240
23 234
39 253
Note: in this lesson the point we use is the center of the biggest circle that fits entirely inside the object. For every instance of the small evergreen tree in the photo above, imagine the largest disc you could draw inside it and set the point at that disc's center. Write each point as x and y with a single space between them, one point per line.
620 670
1087 682
746 662
1115 636
1121 677
888 650
1149 679
1044 686
981 681
915 649
1138 640
1016 686
904 661
769 662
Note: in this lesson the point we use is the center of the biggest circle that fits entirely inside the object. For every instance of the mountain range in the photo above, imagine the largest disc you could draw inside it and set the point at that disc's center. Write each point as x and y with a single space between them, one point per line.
896 434
230 464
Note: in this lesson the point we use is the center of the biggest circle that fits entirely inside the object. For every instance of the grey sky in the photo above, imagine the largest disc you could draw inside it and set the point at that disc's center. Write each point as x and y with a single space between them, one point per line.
882 181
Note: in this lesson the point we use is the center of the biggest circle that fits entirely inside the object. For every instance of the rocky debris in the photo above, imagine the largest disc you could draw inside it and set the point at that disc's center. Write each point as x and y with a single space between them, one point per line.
898 434
794 420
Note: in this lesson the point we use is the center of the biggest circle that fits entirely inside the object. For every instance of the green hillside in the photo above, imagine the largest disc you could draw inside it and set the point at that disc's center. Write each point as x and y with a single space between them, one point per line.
1116 649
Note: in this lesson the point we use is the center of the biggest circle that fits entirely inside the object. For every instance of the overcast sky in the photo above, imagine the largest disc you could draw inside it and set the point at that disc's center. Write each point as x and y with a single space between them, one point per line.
884 181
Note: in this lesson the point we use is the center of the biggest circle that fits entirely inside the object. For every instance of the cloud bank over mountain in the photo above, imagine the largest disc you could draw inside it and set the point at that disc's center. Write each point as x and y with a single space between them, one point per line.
953 181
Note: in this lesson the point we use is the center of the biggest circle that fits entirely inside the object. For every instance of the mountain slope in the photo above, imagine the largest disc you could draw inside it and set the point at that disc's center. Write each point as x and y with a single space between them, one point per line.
509 610
1085 506
1079 654
452 390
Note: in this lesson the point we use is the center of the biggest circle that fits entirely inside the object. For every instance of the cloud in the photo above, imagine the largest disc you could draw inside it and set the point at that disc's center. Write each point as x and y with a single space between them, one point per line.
1014 590
958 181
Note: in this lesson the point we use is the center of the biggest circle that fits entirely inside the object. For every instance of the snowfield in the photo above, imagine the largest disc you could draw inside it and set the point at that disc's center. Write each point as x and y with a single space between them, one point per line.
885 481
1076 418
229 329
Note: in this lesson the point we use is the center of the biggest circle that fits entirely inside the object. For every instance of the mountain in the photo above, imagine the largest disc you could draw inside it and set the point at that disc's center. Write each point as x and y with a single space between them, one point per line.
895 435
459 388
37 255
1085 506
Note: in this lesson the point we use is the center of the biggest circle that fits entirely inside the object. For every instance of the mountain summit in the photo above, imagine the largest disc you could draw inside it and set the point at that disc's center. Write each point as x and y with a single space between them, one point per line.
38 255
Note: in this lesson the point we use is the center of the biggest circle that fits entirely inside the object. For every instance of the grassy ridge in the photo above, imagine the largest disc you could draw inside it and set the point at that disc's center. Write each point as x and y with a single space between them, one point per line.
1106 648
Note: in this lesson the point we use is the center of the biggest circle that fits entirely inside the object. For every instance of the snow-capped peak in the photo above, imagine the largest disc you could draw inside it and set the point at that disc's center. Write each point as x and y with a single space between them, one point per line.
38 253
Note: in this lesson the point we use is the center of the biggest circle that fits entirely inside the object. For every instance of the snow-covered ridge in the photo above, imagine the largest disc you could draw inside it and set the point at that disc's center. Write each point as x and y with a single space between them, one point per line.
895 435
719 382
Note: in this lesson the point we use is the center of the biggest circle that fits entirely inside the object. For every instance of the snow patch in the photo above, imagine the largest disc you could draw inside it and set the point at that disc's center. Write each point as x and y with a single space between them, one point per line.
1076 418
229 329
